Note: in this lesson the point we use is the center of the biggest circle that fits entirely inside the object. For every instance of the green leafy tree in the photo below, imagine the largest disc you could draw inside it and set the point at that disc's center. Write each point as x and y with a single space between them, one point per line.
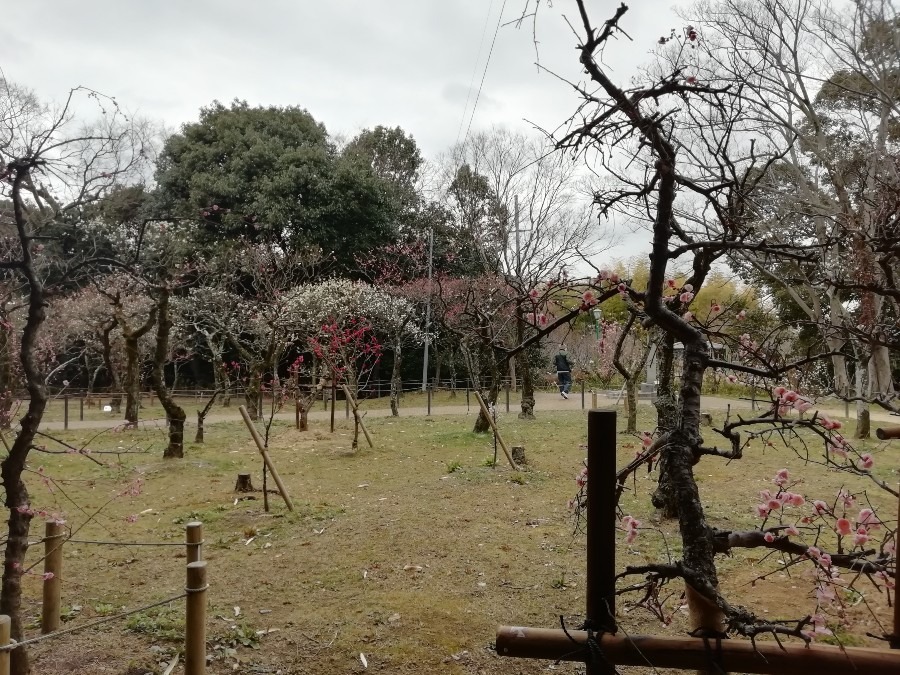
273 174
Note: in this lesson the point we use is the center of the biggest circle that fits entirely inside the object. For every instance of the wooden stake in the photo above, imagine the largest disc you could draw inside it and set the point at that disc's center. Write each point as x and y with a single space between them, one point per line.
5 629
265 455
685 653
193 538
490 419
593 400
53 558
355 406
195 619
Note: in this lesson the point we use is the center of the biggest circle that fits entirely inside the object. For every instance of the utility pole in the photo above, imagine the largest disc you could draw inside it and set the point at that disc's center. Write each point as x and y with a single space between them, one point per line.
428 309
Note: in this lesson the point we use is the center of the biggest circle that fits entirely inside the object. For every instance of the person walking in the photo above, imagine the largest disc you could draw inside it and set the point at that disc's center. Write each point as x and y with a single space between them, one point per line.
563 371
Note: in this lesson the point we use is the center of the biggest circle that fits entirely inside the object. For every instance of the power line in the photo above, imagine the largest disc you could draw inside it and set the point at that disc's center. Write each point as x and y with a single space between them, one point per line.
462 119
484 73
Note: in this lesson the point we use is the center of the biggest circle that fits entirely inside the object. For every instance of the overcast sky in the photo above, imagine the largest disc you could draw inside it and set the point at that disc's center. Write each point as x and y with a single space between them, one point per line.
351 63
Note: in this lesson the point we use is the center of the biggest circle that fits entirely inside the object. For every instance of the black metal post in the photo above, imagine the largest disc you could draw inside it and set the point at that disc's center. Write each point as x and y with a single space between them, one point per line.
66 411
333 397
81 408
582 394
600 591
507 396
494 415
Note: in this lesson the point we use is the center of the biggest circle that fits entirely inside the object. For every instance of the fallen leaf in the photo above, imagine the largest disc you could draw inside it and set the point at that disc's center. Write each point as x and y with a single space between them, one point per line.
171 666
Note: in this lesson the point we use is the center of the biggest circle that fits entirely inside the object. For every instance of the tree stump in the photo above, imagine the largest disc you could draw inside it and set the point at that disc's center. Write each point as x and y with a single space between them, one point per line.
243 483
518 455
706 419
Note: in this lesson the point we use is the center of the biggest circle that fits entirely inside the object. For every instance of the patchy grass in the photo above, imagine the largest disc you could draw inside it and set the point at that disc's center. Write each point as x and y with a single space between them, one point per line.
410 553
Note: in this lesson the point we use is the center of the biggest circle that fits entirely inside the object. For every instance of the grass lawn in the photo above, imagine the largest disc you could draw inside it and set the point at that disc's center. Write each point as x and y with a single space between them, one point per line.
410 553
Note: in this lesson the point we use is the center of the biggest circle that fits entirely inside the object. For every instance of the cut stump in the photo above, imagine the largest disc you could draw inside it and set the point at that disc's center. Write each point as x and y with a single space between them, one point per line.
518 454
243 483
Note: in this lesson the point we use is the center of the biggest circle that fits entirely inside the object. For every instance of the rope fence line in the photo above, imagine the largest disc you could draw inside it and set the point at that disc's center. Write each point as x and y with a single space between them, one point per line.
127 543
97 622
194 591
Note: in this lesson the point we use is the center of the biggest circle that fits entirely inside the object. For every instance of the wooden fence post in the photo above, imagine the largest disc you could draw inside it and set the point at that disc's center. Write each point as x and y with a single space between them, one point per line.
193 539
5 629
600 590
195 620
53 558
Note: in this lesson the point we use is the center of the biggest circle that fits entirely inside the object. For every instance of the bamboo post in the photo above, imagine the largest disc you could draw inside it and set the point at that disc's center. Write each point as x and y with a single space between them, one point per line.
66 412
355 405
490 419
600 591
887 433
53 558
195 619
686 653
193 539
265 455
5 630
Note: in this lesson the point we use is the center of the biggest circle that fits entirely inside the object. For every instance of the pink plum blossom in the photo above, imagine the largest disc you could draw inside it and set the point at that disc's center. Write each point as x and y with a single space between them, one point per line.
843 527
769 537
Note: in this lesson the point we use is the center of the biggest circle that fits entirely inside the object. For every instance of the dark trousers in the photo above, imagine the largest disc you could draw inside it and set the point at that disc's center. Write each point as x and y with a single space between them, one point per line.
565 381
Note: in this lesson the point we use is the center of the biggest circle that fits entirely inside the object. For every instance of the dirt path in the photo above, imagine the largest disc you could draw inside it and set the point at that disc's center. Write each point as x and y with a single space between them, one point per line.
544 401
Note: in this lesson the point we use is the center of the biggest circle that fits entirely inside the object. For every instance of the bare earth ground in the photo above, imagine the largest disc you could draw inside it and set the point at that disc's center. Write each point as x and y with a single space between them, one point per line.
410 553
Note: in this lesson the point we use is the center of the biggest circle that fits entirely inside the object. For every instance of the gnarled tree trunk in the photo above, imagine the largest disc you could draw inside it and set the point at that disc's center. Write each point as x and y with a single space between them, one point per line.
175 415
396 382
666 417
